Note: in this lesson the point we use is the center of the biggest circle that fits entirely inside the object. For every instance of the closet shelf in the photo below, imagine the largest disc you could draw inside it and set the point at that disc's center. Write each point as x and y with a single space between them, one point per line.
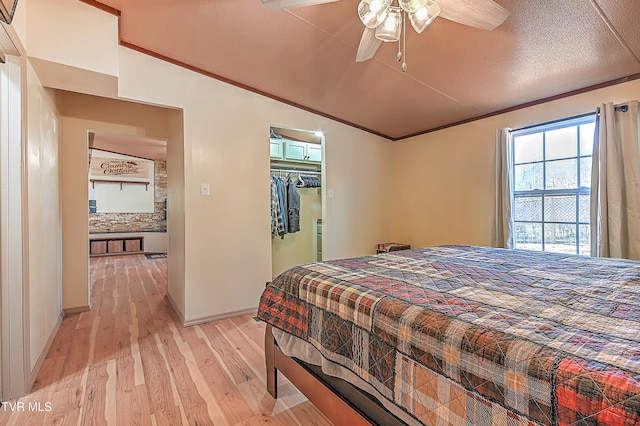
128 182
299 171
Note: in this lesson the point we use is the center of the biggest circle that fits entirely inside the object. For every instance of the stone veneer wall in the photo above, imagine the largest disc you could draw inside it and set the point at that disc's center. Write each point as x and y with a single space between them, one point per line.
136 222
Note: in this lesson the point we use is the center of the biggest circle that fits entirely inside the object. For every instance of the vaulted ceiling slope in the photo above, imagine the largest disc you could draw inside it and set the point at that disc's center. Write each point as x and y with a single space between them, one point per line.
306 56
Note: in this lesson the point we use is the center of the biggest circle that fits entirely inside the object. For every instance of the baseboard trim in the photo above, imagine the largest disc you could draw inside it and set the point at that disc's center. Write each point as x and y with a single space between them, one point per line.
210 318
45 351
175 308
76 310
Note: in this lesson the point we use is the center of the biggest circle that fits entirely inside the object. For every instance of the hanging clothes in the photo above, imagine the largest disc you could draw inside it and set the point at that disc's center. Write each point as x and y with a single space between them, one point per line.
277 225
282 200
307 181
293 207
285 207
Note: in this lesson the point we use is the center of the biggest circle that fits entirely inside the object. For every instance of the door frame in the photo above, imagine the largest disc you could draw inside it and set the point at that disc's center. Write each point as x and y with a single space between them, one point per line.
14 323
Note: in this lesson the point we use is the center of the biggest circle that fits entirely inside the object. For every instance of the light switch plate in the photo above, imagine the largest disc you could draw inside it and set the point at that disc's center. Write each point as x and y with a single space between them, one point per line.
204 189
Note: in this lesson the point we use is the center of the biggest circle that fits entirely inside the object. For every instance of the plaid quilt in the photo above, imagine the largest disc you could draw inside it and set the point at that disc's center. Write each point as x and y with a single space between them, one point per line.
474 335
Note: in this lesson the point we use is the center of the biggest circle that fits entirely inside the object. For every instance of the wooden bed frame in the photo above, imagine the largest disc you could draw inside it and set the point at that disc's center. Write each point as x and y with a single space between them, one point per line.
318 389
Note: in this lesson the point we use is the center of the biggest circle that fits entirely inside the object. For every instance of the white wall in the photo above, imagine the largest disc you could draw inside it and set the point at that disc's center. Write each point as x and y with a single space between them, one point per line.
44 216
118 197
444 181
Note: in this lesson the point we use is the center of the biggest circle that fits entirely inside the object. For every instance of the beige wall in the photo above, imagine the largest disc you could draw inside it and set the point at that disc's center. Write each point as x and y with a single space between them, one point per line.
176 213
444 185
89 44
43 206
82 114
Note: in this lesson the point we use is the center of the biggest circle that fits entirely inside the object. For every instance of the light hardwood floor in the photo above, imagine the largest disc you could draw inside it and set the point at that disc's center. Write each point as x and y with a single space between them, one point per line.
129 361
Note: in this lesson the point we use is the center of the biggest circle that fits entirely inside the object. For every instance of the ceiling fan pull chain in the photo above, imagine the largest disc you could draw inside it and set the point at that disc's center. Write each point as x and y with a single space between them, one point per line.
404 41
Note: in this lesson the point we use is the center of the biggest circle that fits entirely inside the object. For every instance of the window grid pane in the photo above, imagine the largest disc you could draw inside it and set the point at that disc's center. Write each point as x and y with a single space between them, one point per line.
585 239
561 174
585 172
561 143
584 207
528 148
586 138
529 176
528 209
528 236
560 209
552 179
560 238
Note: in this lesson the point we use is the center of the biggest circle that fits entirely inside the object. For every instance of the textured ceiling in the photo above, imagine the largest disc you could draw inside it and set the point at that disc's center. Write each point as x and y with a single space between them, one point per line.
306 56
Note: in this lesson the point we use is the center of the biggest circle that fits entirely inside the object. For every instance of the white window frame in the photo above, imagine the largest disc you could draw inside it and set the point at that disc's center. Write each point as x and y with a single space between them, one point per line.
582 189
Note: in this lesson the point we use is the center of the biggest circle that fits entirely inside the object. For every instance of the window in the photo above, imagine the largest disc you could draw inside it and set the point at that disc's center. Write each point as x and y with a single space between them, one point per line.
552 186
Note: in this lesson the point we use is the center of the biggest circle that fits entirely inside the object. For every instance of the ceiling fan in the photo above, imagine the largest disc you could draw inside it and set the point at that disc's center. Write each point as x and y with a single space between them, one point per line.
384 19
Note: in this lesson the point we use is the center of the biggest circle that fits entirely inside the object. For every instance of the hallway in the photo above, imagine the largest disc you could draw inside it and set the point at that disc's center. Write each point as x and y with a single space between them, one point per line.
129 361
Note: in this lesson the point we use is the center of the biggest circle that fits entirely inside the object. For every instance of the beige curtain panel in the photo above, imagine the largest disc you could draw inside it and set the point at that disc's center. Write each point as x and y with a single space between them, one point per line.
615 183
502 229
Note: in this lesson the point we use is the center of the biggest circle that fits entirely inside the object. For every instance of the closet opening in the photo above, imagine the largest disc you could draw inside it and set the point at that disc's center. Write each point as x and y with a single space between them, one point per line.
296 160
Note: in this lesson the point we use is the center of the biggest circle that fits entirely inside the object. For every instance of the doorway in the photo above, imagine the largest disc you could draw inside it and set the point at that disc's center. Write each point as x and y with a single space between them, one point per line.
127 195
82 115
296 164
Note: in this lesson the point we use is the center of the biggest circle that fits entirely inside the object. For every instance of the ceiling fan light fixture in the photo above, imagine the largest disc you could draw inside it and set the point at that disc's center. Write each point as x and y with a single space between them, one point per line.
373 12
424 16
412 6
390 29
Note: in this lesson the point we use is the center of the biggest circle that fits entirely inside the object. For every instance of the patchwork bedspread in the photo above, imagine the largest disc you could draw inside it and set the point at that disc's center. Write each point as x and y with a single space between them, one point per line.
476 335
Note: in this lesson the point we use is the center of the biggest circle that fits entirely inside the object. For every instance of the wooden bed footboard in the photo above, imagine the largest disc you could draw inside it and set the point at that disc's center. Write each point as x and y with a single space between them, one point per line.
270 361
334 407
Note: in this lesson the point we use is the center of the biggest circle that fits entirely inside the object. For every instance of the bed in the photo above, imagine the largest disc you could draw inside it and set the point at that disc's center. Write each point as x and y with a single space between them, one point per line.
454 335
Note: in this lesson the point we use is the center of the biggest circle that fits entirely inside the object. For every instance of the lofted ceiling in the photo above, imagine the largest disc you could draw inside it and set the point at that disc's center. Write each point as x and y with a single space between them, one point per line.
306 56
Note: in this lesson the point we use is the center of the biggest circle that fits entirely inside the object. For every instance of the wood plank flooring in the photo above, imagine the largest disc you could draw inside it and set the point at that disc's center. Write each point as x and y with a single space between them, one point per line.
129 361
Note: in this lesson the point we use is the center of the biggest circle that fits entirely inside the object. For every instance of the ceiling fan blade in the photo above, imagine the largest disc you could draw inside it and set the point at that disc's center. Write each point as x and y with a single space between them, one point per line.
291 4
369 45
483 14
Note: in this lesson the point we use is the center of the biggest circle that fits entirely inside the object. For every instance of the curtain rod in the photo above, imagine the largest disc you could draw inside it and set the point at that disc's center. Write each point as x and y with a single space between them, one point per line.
623 108
553 121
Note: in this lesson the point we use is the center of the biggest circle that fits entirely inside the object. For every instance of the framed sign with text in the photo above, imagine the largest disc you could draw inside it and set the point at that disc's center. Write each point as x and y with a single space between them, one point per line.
121 169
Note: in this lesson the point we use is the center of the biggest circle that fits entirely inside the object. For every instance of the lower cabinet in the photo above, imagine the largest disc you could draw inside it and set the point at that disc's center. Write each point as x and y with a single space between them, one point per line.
133 245
97 247
107 246
115 246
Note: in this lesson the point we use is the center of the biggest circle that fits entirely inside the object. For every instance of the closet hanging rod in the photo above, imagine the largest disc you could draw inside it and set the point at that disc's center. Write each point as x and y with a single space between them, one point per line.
302 172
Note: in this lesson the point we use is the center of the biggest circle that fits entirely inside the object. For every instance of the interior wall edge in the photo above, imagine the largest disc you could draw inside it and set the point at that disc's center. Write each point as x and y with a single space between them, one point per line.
43 355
